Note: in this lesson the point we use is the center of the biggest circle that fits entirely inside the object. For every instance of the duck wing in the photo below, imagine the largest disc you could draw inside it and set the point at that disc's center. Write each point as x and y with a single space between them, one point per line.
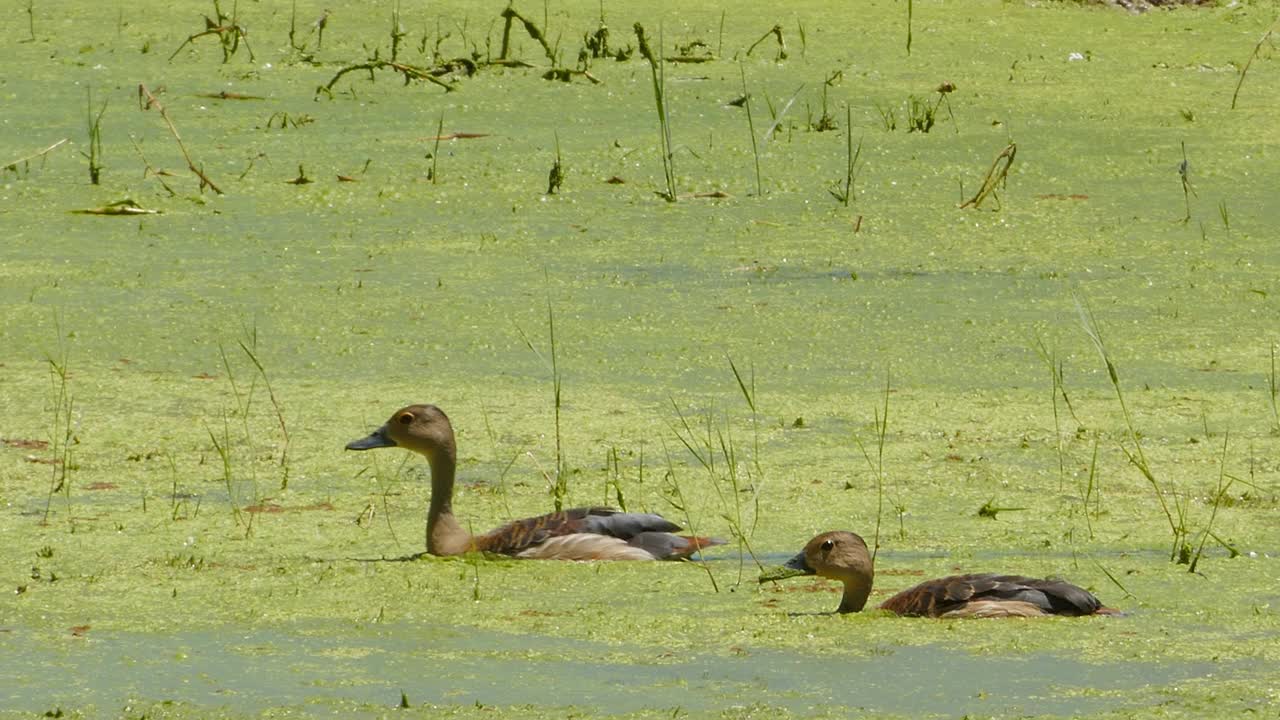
521 535
986 594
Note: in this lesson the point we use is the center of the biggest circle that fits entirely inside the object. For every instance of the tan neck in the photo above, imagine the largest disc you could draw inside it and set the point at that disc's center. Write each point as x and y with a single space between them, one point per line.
444 535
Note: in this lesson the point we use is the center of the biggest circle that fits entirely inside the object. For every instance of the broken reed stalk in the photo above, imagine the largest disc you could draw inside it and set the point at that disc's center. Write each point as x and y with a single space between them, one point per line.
38 154
997 176
31 21
751 128
660 99
779 116
148 170
435 151
410 73
776 32
1256 48
1273 393
230 34
909 9
61 437
146 101
1188 192
534 31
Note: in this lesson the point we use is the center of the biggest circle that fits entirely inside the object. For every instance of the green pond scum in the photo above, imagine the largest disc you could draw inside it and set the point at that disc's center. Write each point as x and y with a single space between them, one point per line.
237 235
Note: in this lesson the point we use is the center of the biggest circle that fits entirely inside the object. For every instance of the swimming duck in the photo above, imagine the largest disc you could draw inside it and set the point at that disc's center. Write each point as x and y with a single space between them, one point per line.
843 556
593 533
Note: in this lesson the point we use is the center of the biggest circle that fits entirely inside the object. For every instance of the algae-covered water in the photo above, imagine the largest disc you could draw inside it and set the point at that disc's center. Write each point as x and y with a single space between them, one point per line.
183 536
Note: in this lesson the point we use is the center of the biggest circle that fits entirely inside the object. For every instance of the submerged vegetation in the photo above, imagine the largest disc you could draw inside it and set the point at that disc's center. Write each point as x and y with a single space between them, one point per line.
174 485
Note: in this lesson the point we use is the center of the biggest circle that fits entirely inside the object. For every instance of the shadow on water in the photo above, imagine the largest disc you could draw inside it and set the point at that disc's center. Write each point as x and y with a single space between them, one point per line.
262 668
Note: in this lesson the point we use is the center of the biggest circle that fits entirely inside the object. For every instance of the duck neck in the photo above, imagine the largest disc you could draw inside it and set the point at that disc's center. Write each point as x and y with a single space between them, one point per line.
856 591
444 535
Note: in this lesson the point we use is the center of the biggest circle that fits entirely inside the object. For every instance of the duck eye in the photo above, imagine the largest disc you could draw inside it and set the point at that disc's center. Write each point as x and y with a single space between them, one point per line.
828 544
405 418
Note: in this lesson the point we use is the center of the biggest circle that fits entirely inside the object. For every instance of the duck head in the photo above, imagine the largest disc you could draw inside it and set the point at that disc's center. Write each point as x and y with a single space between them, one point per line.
424 429
837 555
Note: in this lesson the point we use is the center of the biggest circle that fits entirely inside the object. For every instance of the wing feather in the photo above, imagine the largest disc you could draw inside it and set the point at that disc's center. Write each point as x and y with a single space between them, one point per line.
948 596
520 536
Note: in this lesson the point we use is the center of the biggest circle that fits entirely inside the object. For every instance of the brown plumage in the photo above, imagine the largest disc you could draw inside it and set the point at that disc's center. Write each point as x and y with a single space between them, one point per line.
594 533
843 556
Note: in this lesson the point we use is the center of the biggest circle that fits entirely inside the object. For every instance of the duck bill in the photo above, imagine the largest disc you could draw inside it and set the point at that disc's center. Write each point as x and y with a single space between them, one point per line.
376 439
794 567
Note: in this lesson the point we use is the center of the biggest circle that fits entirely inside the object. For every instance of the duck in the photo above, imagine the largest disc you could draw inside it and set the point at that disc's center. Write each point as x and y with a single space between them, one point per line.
588 533
842 555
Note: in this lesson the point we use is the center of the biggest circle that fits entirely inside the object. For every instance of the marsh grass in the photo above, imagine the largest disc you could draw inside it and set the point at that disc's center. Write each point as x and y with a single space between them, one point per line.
222 447
1174 508
506 466
876 464
658 74
710 441
94 123
825 122
673 494
613 478
179 500
844 193
1058 390
387 483
251 352
1221 488
751 128
888 117
556 176
920 115
559 483
61 426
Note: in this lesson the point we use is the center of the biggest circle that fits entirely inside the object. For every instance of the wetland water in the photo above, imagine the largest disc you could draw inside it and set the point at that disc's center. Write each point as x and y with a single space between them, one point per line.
371 666
181 532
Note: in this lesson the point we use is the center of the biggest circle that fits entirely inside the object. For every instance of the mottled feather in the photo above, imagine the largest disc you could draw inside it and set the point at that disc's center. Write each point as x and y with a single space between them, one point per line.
949 595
